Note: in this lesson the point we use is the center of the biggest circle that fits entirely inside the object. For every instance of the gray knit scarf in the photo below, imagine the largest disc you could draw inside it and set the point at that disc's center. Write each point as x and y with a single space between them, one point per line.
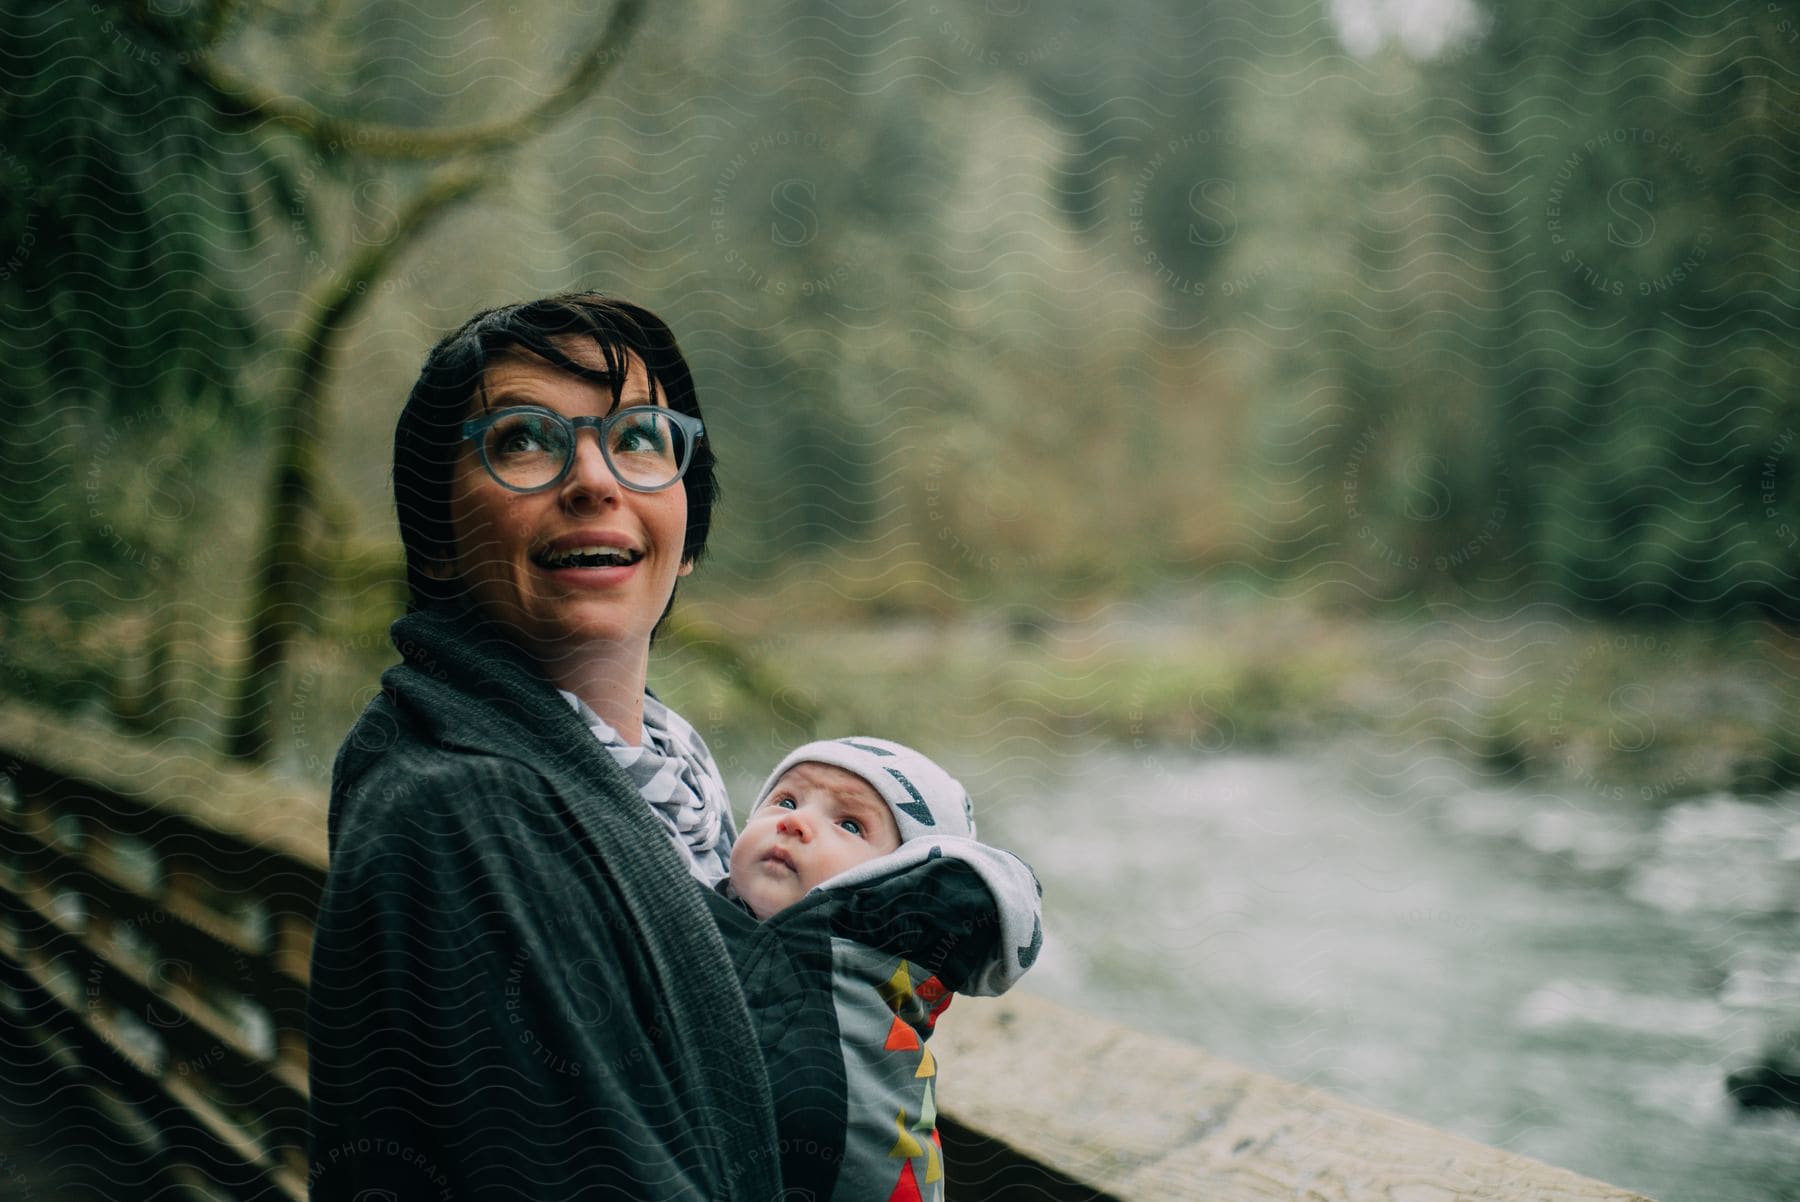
676 774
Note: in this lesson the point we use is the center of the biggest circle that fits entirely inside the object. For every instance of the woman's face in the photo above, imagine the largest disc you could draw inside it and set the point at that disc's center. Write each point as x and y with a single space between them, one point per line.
508 543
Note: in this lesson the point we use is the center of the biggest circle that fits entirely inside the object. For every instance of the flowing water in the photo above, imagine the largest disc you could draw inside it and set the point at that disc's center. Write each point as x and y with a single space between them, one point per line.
1567 977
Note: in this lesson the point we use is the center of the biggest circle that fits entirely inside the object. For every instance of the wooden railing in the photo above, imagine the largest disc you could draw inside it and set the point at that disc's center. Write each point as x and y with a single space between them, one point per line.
156 924
154 942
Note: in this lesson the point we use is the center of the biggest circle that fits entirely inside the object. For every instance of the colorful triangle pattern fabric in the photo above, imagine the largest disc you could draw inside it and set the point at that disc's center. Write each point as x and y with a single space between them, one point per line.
907 1188
927 1123
936 996
927 1064
934 1164
898 989
907 1145
902 1038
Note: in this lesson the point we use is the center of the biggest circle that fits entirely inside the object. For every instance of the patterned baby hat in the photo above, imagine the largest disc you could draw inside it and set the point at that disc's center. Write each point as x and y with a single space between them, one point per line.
925 799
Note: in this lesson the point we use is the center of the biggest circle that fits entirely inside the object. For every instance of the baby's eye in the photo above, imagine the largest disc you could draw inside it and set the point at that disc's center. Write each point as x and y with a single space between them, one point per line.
786 803
851 825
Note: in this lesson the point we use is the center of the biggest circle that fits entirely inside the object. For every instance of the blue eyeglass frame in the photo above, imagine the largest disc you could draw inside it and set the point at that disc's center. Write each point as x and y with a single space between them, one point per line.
691 426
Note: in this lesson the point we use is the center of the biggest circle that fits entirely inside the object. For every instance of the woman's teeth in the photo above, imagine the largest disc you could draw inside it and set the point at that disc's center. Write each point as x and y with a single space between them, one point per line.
590 557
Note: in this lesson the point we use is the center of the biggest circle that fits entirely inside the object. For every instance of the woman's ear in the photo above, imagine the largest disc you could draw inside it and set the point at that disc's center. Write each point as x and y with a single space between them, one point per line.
687 565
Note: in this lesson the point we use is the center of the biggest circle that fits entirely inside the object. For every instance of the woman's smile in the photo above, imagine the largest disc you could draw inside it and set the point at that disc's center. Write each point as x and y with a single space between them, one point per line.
582 552
594 558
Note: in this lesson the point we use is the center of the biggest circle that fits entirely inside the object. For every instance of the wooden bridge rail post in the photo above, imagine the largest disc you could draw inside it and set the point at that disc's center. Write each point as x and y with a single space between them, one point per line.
156 913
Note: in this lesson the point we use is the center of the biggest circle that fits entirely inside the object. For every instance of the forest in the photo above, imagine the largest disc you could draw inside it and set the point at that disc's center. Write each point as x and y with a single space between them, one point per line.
1159 372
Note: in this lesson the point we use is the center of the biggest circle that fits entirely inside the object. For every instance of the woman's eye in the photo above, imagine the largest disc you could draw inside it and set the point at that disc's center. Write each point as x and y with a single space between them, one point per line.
524 434
641 433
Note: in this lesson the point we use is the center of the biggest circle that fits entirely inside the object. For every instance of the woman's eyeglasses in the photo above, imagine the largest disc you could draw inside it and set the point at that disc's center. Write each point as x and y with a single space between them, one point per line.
528 449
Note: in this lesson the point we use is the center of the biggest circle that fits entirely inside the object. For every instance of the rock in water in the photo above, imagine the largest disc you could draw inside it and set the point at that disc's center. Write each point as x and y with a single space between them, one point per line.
1772 1081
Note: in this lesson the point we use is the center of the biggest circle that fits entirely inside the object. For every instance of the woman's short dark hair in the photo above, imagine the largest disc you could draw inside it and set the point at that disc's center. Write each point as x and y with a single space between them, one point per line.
428 437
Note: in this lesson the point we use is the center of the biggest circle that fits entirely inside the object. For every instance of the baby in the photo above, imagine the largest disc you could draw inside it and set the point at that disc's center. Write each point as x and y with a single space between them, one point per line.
862 902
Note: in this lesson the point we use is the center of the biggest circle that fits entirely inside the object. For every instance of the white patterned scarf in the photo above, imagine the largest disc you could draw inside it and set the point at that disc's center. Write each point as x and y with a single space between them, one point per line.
677 777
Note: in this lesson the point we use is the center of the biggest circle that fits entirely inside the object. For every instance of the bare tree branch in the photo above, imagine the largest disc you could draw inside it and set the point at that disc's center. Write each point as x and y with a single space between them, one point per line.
244 100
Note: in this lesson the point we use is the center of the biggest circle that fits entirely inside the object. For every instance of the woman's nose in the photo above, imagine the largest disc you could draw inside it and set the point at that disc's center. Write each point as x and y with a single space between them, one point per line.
589 475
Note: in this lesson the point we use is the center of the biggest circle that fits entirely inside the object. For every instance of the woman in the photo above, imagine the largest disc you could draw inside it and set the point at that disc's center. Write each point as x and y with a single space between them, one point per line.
517 990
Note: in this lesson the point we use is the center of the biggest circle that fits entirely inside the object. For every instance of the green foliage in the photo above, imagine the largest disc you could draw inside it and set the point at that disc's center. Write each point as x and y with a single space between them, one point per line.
1658 461
1640 715
124 207
990 305
1545 338
124 196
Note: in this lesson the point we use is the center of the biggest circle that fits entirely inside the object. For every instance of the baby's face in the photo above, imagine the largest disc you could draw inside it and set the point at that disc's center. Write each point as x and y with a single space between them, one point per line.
818 821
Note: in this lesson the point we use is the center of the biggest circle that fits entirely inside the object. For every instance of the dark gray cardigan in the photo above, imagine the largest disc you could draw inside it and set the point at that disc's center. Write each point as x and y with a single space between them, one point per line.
517 989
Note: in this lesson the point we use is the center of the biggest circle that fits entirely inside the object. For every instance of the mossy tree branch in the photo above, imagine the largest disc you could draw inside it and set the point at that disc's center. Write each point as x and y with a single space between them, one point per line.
279 612
242 100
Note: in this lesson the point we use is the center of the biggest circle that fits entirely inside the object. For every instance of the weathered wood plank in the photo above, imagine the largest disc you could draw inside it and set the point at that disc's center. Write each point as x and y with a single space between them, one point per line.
248 804
1141 1117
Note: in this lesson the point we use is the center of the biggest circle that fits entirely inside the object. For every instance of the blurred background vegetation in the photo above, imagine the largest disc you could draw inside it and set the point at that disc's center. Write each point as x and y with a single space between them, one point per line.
1190 374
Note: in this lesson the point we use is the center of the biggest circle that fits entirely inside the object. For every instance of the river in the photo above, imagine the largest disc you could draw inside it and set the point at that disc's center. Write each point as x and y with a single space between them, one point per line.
1561 975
